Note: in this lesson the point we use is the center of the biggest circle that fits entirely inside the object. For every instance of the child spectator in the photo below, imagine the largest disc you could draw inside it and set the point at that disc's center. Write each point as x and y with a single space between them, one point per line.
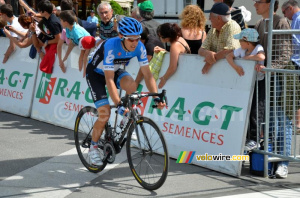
52 28
249 50
90 27
74 32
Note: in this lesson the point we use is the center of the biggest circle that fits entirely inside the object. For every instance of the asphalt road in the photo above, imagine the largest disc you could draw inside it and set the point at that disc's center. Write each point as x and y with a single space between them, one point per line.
39 160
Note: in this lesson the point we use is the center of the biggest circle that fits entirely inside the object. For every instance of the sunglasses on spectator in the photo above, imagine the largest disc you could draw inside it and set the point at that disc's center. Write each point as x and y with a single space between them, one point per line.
132 39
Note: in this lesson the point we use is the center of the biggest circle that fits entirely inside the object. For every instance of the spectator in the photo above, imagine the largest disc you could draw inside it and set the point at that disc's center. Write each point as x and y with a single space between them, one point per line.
52 29
249 50
25 22
291 10
135 13
90 27
147 14
92 18
236 13
280 58
219 40
58 10
74 32
30 11
7 16
107 21
2 2
171 33
66 5
150 42
193 27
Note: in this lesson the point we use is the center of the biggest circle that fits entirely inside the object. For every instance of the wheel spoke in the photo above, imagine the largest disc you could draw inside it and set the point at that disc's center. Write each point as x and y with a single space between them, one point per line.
150 168
86 118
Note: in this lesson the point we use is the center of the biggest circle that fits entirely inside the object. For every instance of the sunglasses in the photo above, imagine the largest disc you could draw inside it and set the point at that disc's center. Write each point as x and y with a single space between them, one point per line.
132 39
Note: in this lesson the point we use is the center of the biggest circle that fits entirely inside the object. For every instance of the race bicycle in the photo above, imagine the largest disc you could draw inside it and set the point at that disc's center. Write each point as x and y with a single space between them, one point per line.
146 148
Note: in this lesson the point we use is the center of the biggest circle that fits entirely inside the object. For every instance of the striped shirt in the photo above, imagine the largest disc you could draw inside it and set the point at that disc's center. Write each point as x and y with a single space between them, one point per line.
107 30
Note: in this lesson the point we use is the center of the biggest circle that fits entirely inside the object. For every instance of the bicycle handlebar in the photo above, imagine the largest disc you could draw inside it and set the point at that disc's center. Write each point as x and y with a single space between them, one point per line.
162 96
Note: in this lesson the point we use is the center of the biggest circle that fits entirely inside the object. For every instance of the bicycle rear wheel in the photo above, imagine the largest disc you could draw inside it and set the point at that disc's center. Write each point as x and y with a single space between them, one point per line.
147 154
83 135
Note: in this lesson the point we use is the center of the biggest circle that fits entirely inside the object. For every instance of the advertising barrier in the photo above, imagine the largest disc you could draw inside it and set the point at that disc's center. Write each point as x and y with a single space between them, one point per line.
59 96
17 80
207 113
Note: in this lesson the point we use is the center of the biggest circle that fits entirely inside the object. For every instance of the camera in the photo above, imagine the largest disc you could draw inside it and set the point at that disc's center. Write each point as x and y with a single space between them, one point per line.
7 27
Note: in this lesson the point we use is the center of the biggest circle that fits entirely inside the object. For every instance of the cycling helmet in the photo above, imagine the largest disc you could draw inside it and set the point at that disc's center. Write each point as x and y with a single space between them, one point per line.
129 26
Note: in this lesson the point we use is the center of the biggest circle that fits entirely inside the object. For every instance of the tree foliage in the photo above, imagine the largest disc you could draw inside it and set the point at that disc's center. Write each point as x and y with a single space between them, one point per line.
116 7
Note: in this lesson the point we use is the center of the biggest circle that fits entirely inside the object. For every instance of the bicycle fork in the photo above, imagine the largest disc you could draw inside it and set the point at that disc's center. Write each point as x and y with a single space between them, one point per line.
145 136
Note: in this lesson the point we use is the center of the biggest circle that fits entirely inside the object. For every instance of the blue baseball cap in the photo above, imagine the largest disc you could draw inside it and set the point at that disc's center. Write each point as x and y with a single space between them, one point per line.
248 34
220 9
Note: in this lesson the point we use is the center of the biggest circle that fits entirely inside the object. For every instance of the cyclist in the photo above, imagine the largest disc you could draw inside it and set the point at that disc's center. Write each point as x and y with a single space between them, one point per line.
104 69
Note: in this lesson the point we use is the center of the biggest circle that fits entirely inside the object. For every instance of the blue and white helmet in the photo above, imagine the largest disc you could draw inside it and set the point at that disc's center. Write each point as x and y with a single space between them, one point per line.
129 26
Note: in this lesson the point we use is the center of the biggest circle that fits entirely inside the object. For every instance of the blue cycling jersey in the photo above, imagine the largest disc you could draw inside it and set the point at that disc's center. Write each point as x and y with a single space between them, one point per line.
110 55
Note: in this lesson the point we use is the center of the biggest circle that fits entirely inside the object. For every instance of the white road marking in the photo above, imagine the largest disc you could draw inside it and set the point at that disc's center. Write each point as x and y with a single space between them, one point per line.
286 193
56 177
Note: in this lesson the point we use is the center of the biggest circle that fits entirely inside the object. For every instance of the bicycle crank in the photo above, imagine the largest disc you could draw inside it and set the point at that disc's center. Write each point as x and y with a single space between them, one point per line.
109 153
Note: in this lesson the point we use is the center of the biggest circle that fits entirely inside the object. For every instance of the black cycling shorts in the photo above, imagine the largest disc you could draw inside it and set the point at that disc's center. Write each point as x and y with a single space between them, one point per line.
96 82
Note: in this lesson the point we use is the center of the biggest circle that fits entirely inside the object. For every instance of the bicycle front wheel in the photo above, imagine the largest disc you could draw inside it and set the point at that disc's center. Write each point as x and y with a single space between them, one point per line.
83 135
147 154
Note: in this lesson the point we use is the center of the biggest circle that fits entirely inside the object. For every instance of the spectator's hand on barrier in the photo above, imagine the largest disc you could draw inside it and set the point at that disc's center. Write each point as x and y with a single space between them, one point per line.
5 59
84 74
80 64
62 66
206 68
162 82
239 70
259 67
158 49
210 57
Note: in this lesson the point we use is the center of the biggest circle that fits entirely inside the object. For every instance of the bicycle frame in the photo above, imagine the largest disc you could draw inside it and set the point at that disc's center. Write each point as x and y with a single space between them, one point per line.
133 119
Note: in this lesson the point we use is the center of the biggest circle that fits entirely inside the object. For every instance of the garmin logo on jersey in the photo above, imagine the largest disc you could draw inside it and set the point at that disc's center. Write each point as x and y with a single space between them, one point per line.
143 53
110 57
121 61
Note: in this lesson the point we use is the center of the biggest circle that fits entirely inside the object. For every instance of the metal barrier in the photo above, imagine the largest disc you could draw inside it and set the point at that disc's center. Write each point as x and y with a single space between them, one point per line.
282 101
